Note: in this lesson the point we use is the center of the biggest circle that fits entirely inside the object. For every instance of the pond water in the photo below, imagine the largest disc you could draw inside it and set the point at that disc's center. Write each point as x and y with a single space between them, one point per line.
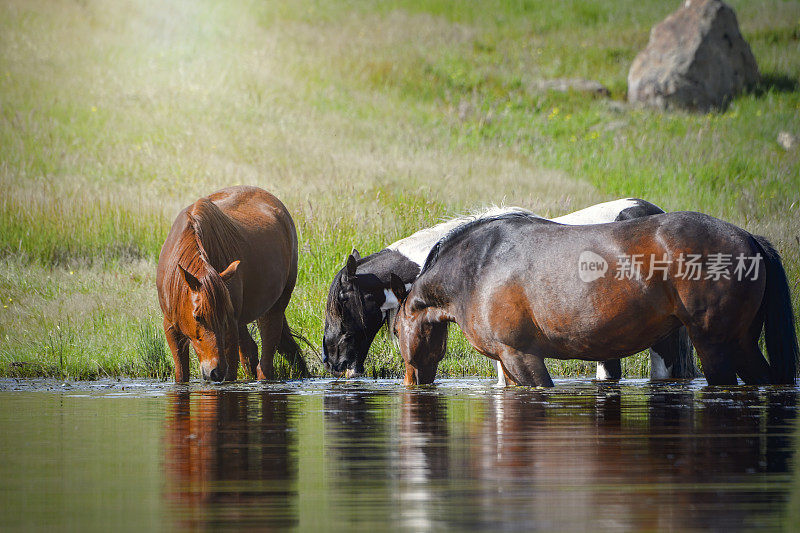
372 455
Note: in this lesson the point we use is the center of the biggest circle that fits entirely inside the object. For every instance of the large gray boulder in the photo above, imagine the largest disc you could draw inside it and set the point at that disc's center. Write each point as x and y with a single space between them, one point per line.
696 59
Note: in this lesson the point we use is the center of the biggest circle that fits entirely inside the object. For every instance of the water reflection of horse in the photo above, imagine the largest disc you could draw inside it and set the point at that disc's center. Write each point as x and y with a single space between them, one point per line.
659 461
229 259
375 457
424 460
641 458
514 286
228 460
357 436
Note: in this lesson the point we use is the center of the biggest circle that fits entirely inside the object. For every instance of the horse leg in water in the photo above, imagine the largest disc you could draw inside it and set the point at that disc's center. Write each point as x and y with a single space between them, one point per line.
270 324
502 381
684 366
663 355
748 360
179 346
722 361
672 357
727 345
611 369
524 369
717 359
232 356
751 365
248 351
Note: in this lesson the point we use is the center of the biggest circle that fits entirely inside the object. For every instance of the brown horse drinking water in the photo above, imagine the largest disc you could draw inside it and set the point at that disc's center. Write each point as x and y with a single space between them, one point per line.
523 288
229 259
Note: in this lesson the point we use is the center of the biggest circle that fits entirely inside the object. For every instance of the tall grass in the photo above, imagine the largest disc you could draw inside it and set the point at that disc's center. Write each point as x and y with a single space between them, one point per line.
153 352
368 119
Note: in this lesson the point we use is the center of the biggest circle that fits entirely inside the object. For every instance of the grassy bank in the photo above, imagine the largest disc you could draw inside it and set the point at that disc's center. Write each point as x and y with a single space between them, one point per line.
368 119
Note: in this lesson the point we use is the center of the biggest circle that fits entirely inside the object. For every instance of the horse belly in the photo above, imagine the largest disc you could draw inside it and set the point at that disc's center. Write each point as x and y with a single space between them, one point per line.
606 340
269 273
611 321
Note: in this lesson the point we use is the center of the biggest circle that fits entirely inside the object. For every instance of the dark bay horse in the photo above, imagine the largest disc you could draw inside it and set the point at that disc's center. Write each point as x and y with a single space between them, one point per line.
360 300
229 259
523 288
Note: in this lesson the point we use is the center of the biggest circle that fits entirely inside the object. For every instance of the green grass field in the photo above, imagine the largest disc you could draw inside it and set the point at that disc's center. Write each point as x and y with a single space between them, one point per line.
369 119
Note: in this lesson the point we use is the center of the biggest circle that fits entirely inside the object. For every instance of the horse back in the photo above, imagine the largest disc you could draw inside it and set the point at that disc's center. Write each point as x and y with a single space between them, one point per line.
245 224
267 248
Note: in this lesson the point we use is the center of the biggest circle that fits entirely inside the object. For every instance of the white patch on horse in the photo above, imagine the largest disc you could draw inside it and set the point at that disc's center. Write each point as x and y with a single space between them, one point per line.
501 377
602 373
658 368
417 246
391 301
597 214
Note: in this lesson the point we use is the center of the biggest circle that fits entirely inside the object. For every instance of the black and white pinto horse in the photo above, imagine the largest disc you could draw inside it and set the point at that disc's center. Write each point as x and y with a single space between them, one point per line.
360 300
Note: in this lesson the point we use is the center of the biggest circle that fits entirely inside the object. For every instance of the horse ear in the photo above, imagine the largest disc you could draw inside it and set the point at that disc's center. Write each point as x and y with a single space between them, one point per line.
191 281
350 267
230 271
398 287
355 254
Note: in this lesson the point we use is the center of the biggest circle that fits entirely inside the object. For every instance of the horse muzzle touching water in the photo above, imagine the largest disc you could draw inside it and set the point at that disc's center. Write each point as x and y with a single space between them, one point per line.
523 288
211 326
422 336
338 365
355 312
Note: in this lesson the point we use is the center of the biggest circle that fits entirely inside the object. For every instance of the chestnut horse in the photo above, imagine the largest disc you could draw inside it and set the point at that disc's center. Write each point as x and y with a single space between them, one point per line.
523 288
229 259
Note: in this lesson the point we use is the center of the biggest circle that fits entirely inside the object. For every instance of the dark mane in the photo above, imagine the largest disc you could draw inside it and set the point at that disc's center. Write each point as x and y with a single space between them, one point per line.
332 306
209 243
457 232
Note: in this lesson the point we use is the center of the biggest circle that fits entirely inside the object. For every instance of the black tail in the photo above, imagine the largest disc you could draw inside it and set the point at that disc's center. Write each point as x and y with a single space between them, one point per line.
779 332
684 366
289 348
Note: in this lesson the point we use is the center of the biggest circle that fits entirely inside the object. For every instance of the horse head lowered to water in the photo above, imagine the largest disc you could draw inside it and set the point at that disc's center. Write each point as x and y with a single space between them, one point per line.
522 288
360 300
229 259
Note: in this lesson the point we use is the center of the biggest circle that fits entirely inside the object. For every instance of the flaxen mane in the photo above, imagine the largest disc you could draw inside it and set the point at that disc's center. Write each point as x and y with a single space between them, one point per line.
209 243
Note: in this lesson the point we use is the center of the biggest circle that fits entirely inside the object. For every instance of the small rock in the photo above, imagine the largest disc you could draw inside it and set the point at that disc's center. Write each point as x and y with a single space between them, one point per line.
614 125
616 106
564 85
787 140
696 59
